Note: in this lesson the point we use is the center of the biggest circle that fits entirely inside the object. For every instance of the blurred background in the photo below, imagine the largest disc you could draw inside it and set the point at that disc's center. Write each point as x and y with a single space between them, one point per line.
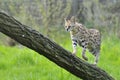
47 17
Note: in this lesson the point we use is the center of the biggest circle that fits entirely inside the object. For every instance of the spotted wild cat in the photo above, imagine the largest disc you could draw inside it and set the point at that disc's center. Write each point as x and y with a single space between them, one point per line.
86 38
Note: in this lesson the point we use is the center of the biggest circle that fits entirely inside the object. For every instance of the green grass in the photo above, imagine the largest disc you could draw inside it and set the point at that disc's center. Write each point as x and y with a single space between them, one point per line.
25 64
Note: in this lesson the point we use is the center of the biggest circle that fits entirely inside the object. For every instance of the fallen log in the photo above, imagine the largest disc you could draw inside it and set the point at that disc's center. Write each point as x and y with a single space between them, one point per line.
46 47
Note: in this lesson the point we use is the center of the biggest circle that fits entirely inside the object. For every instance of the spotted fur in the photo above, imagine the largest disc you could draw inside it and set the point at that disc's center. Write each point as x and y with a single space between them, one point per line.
86 38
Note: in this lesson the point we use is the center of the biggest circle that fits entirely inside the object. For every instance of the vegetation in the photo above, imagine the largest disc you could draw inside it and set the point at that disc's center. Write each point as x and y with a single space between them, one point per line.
25 64
18 63
100 14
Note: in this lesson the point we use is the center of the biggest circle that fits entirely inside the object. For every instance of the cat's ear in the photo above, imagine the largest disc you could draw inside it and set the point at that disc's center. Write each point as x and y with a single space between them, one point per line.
65 19
72 19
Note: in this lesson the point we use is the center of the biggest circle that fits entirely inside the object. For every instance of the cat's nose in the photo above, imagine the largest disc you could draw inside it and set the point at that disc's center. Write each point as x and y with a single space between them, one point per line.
68 28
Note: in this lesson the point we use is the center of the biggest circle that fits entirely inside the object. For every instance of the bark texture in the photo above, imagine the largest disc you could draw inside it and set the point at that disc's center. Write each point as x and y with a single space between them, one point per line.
44 46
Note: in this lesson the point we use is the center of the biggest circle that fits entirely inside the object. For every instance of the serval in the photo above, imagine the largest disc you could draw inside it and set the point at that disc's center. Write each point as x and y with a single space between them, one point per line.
86 38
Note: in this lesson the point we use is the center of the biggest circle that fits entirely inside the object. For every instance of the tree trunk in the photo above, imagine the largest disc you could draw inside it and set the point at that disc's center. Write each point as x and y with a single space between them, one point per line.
44 46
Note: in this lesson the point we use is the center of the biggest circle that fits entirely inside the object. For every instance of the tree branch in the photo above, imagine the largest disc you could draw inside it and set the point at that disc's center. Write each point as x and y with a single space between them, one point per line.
44 46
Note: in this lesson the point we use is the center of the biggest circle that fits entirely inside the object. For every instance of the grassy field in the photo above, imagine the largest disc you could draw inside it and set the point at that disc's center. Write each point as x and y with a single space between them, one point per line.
25 64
